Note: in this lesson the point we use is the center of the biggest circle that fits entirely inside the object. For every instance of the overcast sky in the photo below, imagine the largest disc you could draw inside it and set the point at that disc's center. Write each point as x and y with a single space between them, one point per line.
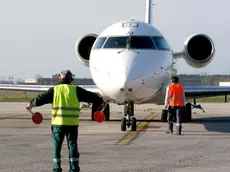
38 37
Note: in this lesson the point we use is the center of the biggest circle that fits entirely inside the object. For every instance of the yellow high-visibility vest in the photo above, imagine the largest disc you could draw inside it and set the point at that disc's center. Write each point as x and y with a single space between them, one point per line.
65 106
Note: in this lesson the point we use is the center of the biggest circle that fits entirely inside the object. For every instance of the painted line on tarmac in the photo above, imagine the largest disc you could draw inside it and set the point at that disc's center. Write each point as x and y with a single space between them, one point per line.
12 116
132 135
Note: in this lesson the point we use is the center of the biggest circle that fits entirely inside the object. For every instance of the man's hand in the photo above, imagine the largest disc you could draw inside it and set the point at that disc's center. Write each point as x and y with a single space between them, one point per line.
29 107
103 104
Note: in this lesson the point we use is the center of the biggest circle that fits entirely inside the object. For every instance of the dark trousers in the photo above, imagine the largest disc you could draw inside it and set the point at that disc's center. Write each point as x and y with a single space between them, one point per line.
58 135
175 114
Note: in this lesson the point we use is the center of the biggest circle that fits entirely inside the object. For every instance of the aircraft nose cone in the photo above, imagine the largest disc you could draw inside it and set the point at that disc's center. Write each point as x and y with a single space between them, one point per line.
127 87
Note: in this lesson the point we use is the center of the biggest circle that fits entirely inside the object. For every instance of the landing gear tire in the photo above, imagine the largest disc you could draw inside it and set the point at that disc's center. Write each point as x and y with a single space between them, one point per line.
187 113
123 124
129 120
164 115
107 112
134 124
95 108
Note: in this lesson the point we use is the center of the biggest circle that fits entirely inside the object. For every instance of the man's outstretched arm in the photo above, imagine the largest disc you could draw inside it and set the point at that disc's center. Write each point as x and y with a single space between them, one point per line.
87 96
42 99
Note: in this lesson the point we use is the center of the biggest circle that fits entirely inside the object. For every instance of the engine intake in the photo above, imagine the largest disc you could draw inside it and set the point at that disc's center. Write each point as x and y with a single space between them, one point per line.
83 48
198 50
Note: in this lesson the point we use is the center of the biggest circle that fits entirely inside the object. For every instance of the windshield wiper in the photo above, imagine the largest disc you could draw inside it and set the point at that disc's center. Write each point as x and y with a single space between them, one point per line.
128 46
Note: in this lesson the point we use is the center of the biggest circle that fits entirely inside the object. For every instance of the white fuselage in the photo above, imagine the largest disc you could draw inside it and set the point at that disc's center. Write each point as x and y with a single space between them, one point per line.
135 74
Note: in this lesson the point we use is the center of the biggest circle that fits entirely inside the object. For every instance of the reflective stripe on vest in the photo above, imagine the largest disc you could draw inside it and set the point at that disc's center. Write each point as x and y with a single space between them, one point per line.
65 107
176 95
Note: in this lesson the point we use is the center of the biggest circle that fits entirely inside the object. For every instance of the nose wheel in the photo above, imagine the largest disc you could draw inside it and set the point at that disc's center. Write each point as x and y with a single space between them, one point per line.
129 120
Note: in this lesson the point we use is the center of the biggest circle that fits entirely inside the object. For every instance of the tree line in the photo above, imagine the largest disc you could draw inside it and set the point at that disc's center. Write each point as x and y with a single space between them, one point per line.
212 80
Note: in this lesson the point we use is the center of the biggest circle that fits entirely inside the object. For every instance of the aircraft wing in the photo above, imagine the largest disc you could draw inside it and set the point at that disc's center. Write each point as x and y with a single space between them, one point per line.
43 88
30 88
205 91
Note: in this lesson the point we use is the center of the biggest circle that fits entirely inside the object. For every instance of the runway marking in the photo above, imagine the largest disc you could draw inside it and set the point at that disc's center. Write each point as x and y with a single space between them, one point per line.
132 135
12 116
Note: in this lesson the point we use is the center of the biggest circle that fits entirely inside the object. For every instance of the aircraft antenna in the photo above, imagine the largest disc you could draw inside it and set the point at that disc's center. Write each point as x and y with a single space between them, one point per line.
148 12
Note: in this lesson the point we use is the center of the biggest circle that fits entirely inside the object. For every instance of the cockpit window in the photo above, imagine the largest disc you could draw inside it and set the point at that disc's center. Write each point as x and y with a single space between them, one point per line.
135 42
99 42
160 43
116 42
141 42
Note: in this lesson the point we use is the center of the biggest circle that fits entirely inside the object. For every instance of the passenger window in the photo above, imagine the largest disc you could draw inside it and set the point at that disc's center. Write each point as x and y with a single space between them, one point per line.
141 42
160 43
99 42
116 42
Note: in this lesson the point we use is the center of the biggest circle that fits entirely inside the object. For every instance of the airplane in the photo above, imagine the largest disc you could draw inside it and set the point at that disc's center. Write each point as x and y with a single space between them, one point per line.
131 62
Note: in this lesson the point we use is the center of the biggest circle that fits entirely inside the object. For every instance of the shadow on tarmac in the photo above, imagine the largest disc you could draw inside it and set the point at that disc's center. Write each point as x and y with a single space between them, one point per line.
212 124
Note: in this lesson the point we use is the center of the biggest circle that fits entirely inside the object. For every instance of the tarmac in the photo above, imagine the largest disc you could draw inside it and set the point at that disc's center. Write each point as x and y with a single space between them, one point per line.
204 145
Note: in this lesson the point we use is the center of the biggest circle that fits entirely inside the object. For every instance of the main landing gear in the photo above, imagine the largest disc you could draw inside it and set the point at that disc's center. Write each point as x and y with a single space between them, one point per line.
129 119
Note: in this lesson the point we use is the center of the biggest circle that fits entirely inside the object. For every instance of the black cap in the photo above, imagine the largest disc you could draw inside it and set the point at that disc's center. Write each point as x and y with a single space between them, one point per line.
66 75
175 79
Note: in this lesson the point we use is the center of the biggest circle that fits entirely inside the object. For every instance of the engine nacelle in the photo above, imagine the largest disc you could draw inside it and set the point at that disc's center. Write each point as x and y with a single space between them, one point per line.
199 50
83 48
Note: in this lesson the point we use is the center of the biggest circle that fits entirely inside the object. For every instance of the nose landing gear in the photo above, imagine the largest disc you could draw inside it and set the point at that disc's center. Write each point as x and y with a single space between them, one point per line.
129 119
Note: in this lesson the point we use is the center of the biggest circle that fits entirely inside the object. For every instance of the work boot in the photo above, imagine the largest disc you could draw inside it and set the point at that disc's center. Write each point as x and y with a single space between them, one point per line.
179 130
170 130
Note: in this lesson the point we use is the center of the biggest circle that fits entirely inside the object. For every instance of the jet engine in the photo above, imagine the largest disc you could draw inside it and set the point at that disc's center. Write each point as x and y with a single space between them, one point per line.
83 48
198 51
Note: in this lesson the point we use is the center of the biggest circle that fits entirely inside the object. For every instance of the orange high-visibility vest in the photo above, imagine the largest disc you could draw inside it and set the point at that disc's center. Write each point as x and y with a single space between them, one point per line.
176 95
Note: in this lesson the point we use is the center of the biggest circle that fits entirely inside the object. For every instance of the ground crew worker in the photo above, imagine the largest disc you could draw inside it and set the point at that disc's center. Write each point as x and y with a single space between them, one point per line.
174 101
65 99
